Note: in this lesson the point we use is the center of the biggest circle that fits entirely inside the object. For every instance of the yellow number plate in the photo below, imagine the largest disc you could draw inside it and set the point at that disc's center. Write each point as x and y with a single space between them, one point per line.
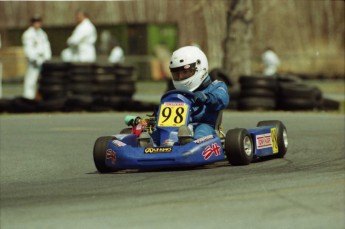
173 114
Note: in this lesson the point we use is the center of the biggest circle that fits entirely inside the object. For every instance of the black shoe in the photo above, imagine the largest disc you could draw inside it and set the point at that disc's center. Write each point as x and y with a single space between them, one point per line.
145 140
184 135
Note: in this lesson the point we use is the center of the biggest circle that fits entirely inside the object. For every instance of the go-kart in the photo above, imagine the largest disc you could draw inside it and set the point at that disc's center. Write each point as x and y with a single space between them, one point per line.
239 146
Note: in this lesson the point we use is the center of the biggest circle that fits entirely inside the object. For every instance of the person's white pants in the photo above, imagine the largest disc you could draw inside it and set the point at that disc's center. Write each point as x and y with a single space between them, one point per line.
0 80
30 81
270 70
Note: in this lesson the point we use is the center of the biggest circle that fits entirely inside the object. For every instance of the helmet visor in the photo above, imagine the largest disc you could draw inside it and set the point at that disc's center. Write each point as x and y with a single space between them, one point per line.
184 72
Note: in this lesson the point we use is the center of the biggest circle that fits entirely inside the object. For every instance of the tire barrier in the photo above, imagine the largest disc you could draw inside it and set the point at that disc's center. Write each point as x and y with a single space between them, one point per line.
257 93
68 87
53 86
105 87
281 92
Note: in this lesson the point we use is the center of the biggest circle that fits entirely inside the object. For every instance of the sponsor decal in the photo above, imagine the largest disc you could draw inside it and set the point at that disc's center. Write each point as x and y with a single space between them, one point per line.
158 150
263 141
210 150
203 139
118 143
174 104
274 140
111 155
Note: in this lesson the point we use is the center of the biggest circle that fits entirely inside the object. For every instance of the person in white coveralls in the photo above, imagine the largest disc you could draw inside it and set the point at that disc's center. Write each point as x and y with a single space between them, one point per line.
37 50
270 61
81 44
116 55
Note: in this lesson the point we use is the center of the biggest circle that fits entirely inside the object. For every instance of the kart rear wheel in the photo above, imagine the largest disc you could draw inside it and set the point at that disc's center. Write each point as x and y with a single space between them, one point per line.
238 146
99 154
282 139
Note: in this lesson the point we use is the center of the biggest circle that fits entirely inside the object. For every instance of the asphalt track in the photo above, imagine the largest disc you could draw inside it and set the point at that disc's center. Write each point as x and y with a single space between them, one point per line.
48 179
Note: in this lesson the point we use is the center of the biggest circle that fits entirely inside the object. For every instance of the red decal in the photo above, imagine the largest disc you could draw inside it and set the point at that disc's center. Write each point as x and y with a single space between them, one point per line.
263 141
209 150
110 154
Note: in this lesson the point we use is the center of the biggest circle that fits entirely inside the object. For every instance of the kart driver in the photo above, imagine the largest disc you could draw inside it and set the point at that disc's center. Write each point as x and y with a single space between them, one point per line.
189 69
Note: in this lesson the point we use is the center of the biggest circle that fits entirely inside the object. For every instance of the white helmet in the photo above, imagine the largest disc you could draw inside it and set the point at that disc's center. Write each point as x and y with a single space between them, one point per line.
189 68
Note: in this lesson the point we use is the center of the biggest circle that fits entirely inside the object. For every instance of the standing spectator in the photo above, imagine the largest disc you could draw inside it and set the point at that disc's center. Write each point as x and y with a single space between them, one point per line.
270 61
116 55
81 44
37 50
0 73
163 54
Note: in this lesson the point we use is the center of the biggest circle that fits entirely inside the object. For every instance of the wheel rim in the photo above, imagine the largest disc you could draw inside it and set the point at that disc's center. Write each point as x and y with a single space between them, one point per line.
285 138
247 144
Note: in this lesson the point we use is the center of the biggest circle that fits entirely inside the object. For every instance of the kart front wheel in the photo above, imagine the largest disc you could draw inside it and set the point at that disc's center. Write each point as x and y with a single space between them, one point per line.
282 139
99 154
238 147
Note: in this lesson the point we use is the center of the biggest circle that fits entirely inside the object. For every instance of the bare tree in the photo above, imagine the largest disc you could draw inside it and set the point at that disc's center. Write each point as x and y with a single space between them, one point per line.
237 43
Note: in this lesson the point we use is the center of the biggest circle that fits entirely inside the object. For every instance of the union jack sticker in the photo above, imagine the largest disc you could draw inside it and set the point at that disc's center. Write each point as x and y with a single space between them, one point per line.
110 155
210 150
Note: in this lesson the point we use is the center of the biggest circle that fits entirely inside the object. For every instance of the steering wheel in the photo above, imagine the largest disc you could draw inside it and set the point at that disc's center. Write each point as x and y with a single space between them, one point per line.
189 95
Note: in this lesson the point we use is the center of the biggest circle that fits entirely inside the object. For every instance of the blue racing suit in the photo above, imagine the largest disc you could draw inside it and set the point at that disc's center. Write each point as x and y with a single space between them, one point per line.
217 99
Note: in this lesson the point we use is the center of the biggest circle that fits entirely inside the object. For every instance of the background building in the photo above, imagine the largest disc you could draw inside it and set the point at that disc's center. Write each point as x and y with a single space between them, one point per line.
308 35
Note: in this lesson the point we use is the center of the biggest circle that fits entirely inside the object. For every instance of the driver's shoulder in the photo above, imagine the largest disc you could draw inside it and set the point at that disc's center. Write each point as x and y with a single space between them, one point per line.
217 84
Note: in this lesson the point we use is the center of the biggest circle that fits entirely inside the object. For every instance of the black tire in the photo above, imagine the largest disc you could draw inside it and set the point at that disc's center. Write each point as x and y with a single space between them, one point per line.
83 89
55 66
254 103
234 92
169 85
99 154
52 105
6 105
21 104
282 139
330 104
258 92
297 104
288 79
51 88
123 70
294 90
239 146
105 78
219 74
126 90
233 105
103 68
51 79
82 79
79 102
267 82
81 68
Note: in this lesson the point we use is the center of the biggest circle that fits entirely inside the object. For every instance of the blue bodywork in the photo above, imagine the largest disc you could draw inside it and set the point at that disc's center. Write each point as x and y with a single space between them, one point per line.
259 131
122 152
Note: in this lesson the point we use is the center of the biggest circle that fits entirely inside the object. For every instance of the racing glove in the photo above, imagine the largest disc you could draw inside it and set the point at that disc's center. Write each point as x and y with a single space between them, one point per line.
200 97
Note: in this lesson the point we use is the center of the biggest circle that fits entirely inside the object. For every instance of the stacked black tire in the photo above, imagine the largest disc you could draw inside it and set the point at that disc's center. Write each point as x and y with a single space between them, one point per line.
294 95
53 86
257 93
114 87
80 87
86 87
281 92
